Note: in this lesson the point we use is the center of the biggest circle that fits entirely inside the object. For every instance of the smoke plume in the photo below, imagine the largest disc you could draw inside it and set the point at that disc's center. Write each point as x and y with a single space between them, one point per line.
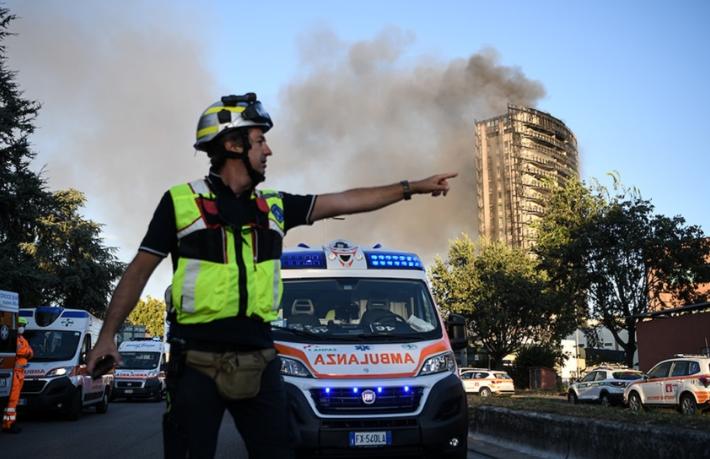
362 114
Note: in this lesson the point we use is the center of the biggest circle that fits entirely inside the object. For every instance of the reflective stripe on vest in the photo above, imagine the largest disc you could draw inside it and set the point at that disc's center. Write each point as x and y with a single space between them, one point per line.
204 290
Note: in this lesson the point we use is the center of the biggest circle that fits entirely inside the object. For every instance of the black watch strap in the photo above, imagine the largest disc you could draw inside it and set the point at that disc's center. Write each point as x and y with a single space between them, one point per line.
406 189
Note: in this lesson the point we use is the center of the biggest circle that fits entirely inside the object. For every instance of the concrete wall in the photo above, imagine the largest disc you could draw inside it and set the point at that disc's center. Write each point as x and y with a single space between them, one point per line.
550 435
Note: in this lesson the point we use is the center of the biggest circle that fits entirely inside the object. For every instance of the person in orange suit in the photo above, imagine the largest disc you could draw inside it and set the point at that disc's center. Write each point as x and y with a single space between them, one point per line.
24 353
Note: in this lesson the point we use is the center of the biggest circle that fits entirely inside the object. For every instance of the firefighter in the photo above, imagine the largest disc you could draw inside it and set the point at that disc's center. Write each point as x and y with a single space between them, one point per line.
225 239
24 353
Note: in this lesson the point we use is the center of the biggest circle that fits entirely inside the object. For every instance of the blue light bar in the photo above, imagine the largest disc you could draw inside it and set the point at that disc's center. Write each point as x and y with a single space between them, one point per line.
393 260
303 260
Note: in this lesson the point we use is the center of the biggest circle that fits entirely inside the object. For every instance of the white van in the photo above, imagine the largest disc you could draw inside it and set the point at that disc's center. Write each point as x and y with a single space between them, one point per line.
142 373
9 307
56 377
366 358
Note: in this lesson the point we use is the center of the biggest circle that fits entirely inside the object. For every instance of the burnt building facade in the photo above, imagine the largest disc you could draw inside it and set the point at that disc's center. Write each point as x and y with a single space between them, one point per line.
519 157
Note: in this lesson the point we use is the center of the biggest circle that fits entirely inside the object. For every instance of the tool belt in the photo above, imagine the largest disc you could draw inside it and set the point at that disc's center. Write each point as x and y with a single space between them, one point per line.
237 374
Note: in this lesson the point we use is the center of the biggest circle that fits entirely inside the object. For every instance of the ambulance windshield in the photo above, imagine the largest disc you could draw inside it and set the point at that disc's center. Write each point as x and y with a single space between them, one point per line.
140 360
357 308
52 345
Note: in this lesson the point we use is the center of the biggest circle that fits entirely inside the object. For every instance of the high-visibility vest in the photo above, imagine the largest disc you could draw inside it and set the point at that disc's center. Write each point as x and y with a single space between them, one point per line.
238 284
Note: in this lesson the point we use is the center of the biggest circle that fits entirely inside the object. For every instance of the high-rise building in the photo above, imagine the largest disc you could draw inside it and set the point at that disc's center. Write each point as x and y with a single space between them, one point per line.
520 156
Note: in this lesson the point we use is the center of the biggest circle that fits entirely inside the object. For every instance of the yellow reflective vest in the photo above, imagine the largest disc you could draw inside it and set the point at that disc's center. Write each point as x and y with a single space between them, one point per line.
217 277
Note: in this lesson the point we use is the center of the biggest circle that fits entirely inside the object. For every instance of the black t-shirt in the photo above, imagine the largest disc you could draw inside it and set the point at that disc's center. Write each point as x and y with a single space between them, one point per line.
161 240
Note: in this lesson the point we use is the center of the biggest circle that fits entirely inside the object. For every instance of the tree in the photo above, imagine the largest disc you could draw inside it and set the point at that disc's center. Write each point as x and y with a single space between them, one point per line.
151 313
501 294
48 252
618 255
23 198
79 271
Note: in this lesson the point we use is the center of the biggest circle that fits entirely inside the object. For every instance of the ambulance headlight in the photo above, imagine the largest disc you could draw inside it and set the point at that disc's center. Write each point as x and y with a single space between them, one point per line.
291 367
439 363
61 371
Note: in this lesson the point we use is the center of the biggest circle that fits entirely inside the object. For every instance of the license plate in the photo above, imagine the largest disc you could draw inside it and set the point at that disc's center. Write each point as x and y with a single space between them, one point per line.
128 391
22 402
365 439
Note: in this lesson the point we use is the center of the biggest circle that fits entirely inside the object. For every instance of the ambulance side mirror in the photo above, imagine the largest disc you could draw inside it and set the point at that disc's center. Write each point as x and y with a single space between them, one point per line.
456 329
82 358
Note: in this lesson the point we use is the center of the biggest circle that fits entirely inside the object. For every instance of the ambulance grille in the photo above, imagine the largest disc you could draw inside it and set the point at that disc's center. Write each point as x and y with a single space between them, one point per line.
129 384
33 386
388 400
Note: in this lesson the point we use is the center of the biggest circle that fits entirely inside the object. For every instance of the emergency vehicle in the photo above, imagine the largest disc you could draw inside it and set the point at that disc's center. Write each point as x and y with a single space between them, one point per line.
142 373
682 382
366 358
56 377
9 307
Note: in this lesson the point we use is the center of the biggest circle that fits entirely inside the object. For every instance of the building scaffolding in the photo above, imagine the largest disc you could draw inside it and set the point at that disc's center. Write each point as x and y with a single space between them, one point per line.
520 157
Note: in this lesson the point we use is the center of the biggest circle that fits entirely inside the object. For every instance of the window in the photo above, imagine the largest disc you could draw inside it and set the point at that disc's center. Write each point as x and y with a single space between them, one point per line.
660 370
680 368
694 367
590 377
466 375
601 375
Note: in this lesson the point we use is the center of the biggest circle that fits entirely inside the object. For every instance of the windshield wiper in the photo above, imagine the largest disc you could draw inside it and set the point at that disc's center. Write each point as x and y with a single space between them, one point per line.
304 333
391 337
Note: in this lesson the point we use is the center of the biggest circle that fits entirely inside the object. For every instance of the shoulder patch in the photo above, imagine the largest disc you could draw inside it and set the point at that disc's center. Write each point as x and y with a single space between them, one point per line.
277 213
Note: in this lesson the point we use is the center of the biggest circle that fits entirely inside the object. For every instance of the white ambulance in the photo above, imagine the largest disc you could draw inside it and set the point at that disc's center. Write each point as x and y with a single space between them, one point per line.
56 377
9 307
142 373
366 357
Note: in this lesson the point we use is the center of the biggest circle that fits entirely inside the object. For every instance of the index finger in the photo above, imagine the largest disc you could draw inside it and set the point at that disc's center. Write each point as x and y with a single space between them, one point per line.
448 175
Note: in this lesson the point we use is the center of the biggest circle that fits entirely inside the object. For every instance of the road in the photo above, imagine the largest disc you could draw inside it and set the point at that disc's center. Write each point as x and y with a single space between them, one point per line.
128 430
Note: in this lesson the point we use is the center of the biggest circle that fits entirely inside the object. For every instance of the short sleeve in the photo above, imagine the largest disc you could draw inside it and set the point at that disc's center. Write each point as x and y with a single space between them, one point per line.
161 237
297 209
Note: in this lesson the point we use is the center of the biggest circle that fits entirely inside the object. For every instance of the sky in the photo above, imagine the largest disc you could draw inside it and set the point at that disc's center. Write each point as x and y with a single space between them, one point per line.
362 93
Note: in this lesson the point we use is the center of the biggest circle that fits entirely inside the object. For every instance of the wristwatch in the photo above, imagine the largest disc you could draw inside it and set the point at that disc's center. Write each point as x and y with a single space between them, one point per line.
407 191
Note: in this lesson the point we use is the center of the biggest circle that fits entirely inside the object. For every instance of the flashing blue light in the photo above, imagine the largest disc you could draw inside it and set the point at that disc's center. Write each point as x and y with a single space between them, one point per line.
303 260
327 390
392 260
355 390
379 390
406 389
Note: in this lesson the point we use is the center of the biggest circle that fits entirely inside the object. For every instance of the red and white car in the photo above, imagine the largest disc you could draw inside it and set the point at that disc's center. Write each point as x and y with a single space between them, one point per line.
682 382
487 382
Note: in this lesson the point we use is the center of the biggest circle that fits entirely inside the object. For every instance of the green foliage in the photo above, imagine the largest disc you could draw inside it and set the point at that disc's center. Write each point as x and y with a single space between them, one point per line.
48 252
609 255
534 356
151 313
501 294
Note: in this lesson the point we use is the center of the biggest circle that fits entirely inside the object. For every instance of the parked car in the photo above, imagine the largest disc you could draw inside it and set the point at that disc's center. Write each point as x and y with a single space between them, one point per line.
682 382
487 382
463 370
604 385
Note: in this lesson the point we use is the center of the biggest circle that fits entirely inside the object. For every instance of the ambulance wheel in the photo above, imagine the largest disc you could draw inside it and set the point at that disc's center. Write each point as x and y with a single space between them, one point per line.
484 392
604 400
102 406
572 397
74 407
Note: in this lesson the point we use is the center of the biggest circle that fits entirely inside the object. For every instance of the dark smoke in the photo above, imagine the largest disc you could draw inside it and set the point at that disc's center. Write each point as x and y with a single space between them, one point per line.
361 115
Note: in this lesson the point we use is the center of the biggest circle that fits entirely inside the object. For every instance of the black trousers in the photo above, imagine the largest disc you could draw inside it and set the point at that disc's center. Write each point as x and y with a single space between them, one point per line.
195 410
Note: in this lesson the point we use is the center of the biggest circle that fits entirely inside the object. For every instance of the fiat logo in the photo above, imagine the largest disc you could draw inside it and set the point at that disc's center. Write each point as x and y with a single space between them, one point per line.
368 397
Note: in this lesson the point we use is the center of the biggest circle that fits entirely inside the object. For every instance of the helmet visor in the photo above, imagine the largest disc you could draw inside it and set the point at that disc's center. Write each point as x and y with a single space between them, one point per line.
256 113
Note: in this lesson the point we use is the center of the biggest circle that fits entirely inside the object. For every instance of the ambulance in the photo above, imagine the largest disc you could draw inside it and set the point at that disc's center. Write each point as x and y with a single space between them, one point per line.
142 373
56 377
365 355
9 307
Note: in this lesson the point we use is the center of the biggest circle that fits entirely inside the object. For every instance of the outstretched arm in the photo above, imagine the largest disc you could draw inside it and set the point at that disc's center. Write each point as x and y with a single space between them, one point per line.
366 199
124 299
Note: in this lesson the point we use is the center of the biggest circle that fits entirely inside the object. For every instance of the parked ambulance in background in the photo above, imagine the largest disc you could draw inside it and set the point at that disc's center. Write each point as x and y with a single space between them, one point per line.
56 378
366 358
9 307
142 373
